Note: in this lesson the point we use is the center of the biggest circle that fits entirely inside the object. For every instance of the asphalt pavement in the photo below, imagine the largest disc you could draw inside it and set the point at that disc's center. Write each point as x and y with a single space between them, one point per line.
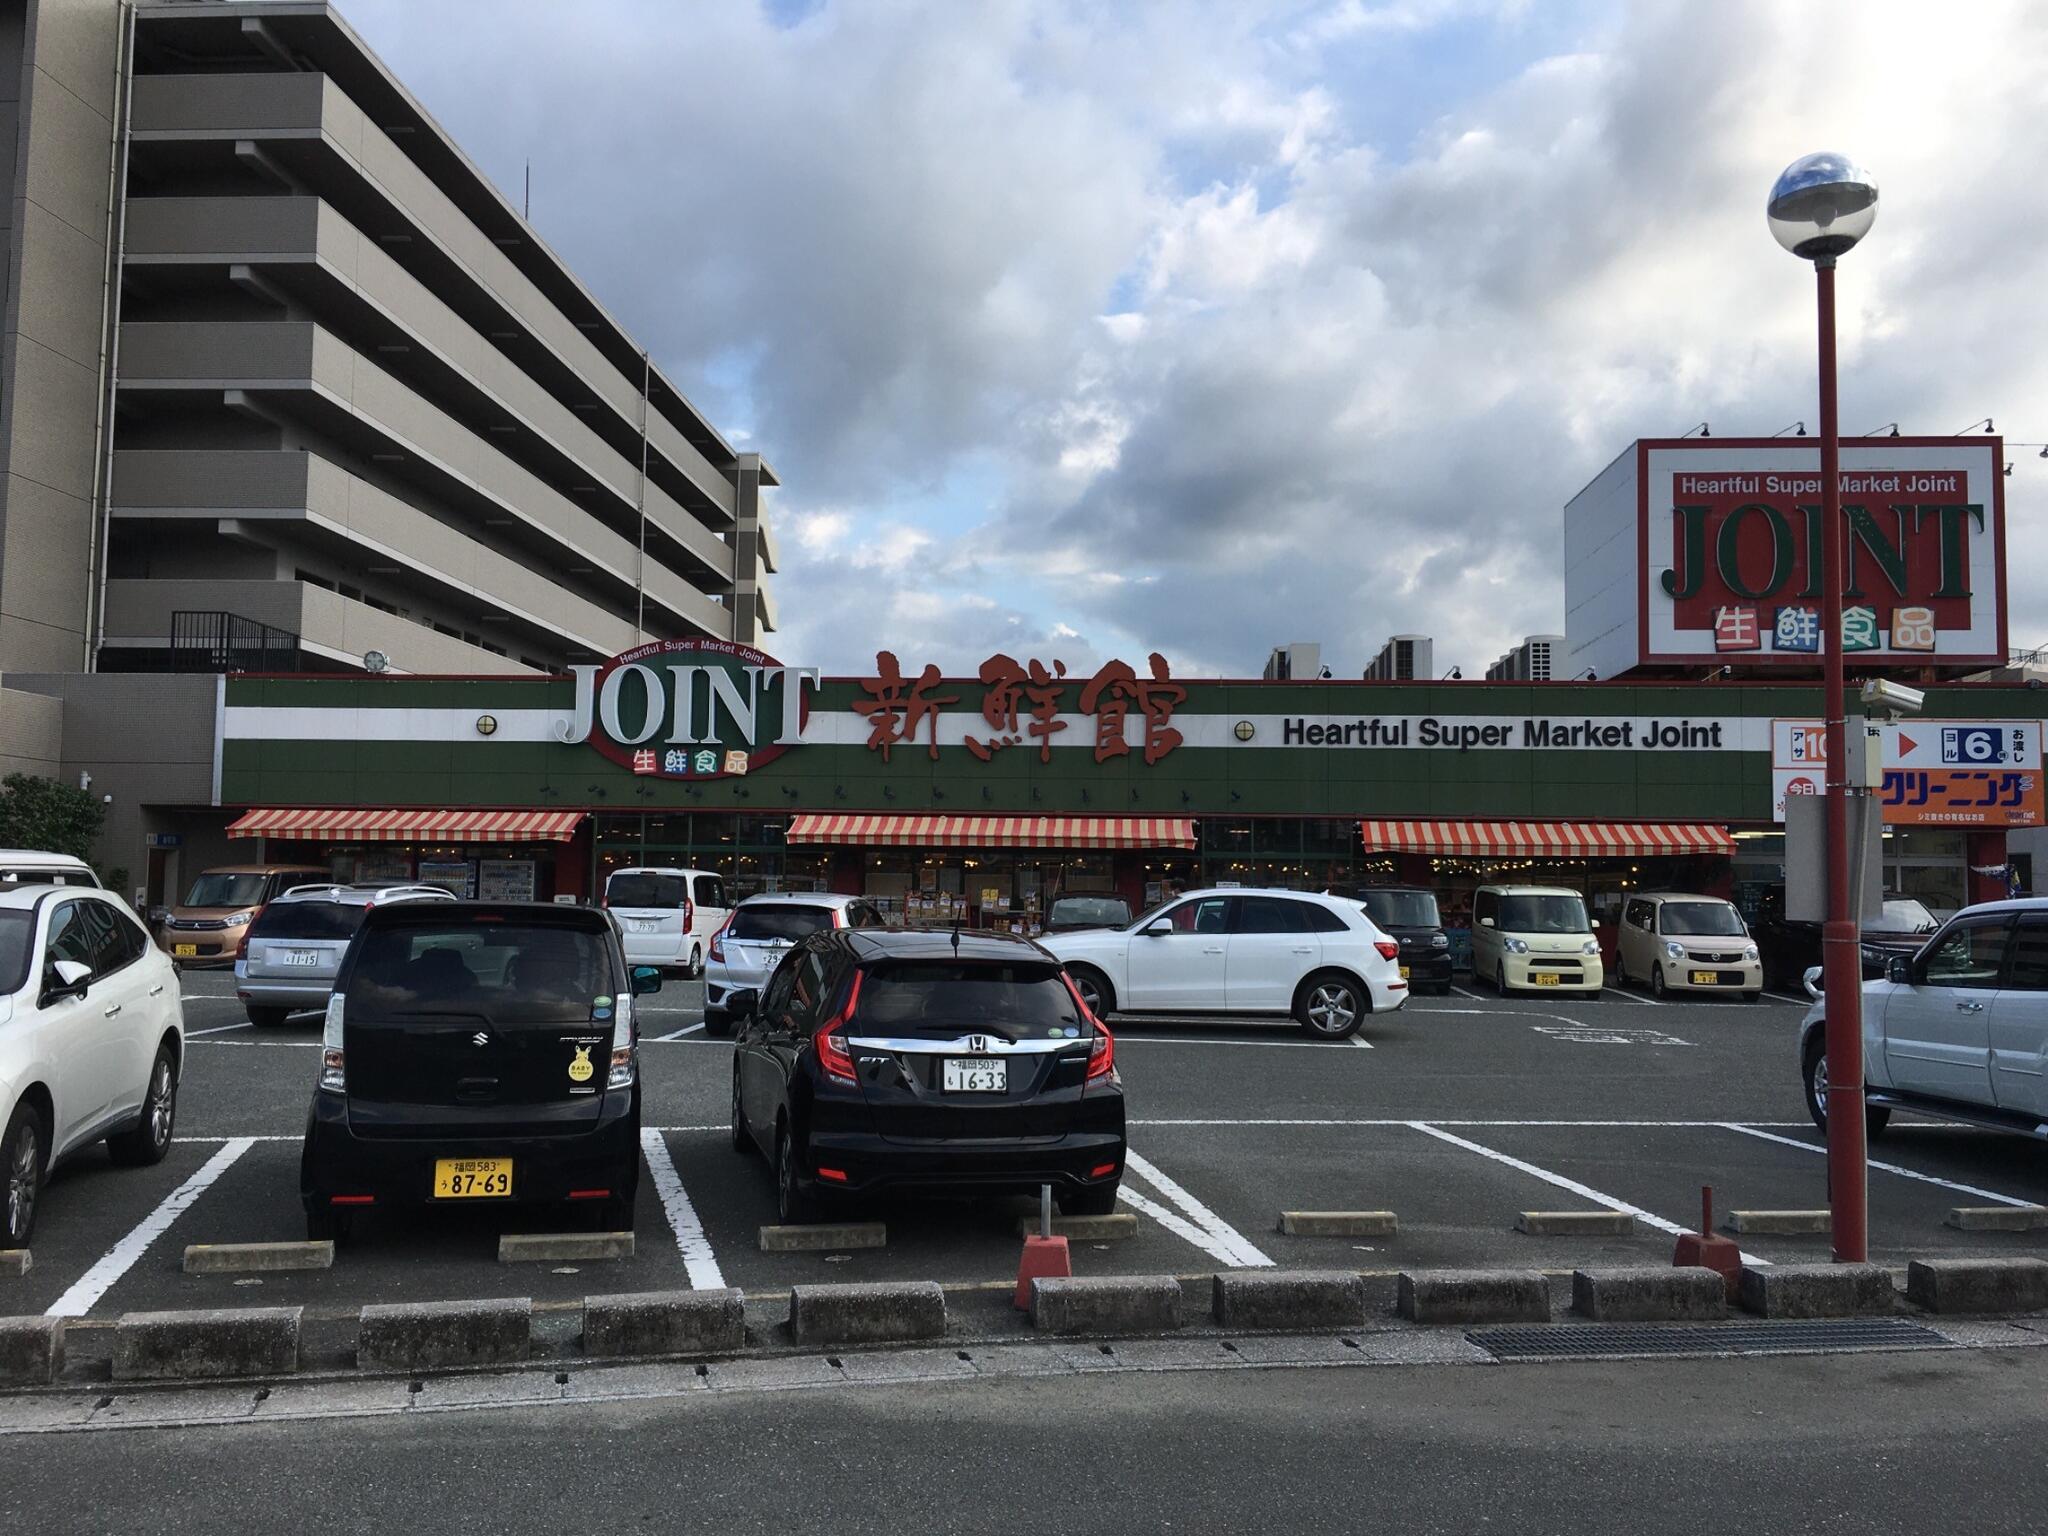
1877 1443
1457 1114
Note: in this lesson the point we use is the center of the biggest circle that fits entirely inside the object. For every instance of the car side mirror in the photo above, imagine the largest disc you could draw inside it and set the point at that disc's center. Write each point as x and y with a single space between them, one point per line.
72 978
743 1003
1486 922
1158 930
1899 970
646 979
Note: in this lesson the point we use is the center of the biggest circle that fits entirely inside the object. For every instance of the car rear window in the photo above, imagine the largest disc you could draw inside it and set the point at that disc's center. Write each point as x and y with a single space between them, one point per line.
17 938
665 891
945 997
509 974
1401 909
308 920
781 921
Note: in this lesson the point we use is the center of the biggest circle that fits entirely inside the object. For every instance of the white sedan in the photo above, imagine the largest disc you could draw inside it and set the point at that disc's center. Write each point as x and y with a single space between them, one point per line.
92 1039
1233 951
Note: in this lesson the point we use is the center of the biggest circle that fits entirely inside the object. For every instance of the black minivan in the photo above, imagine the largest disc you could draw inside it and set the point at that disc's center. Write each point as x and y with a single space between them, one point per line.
477 1052
1407 914
899 1059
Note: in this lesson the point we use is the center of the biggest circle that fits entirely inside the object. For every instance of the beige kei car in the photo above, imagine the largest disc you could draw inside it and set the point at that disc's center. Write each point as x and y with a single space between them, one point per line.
1671 942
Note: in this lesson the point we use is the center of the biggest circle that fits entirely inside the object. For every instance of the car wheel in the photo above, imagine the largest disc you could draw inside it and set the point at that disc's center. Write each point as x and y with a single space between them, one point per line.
1096 993
1875 1118
324 1224
742 1138
1620 971
268 1018
1656 981
717 1026
1752 997
150 1139
792 1204
696 970
1500 981
1330 1006
1096 1200
23 1161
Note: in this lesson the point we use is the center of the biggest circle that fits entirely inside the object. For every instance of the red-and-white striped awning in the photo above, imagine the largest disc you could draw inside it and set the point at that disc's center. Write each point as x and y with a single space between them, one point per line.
346 825
995 831
1557 839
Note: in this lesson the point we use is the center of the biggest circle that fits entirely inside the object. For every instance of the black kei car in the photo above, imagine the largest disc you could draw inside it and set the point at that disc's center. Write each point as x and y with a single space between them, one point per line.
1789 947
897 1059
1407 914
477 1052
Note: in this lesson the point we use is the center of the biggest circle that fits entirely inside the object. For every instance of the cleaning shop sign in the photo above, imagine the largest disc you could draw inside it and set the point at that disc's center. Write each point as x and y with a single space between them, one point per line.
690 709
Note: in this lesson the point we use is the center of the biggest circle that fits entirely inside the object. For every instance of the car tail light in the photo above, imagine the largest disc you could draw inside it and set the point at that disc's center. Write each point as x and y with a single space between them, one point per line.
1100 1170
1102 1054
333 1076
1388 949
590 1194
836 1175
242 946
717 950
689 914
352 1200
833 1054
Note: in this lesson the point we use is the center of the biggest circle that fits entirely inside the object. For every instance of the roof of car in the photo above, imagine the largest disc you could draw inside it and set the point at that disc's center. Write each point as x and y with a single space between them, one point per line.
1532 890
448 913
262 869
801 898
1677 896
937 944
41 856
659 869
366 895
28 894
1265 890
2011 904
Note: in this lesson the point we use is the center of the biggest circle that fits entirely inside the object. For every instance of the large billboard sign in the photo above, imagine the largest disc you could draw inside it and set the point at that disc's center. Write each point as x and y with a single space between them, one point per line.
1937 773
1702 551
690 709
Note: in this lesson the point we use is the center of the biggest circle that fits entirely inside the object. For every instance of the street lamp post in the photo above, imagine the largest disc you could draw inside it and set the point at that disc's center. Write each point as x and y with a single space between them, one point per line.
1819 208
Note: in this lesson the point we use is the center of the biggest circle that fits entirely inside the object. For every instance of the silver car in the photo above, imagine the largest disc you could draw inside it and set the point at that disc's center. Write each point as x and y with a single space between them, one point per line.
760 931
288 960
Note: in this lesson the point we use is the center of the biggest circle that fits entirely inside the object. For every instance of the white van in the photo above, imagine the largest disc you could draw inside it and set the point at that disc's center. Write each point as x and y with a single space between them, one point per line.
667 916
1534 936
25 866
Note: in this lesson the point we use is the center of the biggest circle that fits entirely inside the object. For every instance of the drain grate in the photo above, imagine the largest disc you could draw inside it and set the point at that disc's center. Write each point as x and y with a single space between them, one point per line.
1561 1339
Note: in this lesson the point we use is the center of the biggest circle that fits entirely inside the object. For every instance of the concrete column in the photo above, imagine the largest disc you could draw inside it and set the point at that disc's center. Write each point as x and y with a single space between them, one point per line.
747 574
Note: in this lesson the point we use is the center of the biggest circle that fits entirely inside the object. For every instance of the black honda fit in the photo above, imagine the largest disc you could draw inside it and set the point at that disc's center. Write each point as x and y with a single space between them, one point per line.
883 1059
477 1052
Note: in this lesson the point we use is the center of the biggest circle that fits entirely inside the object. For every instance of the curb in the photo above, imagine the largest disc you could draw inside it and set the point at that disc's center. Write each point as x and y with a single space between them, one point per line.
16 1262
664 1323
1339 1224
31 1351
1818 1290
1649 1294
1576 1223
1106 1304
835 1239
1289 1299
420 1335
538 1247
1781 1223
1948 1286
1474 1296
225 1341
1085 1229
257 1258
884 1312
1964 1218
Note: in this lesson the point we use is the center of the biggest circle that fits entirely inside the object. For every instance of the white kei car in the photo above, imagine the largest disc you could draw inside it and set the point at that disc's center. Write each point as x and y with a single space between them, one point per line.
666 916
760 931
92 1040
1321 959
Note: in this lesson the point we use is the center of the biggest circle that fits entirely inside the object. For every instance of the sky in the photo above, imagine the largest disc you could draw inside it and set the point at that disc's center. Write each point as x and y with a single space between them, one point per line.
1199 327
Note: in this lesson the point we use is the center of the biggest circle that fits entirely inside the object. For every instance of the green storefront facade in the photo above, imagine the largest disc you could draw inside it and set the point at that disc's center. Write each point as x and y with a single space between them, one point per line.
1266 782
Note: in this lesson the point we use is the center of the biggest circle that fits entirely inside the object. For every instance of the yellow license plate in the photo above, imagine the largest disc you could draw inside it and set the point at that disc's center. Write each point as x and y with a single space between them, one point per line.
1545 978
472 1178
1704 978
184 949
1404 973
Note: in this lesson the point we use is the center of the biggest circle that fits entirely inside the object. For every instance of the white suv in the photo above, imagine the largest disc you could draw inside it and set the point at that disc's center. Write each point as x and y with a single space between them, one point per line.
666 916
92 1040
760 931
1959 1030
1319 958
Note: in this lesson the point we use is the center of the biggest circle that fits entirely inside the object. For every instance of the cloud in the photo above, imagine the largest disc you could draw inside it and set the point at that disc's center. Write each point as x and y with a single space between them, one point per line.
1129 328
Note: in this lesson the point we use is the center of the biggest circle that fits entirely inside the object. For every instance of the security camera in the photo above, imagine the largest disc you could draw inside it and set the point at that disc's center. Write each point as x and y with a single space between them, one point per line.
1887 697
106 799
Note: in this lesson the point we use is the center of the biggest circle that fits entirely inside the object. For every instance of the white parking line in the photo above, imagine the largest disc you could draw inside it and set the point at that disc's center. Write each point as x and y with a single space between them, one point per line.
1226 1242
1564 1124
86 1291
1883 1167
1636 996
218 1029
1462 992
677 1034
1123 1040
1583 1191
1786 997
1361 1042
290 1045
698 1260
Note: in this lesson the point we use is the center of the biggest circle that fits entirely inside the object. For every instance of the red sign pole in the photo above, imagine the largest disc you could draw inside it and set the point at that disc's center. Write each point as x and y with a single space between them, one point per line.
1841 946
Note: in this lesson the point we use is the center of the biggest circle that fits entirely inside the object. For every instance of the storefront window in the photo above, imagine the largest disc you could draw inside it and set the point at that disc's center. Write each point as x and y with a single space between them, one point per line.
666 831
1279 835
761 831
1220 836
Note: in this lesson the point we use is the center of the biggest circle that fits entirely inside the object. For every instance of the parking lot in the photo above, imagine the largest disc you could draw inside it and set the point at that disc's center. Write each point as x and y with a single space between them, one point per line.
1456 1114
